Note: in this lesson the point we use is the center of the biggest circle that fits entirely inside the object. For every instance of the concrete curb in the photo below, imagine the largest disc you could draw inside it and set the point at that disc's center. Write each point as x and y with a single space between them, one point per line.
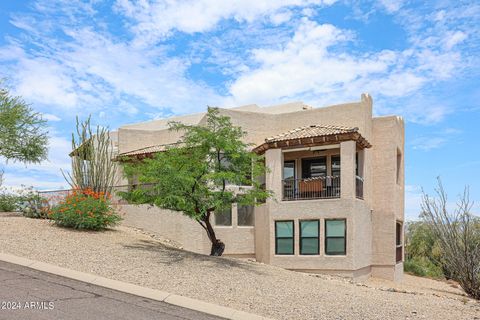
189 303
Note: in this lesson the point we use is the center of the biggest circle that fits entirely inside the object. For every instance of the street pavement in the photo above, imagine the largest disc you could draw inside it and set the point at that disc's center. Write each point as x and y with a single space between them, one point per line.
30 294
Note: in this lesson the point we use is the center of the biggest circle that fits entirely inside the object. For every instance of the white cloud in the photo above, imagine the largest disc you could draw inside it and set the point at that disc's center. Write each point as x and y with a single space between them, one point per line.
454 38
315 65
391 5
154 20
306 64
281 17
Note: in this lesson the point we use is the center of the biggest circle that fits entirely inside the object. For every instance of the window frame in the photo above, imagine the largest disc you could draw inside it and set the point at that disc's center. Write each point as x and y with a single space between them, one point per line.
302 237
292 237
344 253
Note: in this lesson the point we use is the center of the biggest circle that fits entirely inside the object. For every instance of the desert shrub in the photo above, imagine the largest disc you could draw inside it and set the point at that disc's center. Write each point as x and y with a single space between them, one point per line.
423 267
458 234
423 253
31 204
8 202
85 209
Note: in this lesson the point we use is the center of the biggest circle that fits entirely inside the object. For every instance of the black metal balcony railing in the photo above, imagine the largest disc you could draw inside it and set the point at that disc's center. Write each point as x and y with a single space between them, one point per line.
359 187
311 188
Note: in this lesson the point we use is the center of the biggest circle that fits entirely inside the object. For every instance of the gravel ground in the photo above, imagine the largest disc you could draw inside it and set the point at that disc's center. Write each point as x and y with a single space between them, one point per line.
132 256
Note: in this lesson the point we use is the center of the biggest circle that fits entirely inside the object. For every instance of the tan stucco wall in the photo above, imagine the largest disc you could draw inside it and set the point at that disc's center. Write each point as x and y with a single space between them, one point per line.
388 195
239 240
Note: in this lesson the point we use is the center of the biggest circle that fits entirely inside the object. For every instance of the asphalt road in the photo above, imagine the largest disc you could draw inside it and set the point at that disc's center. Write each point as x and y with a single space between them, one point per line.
30 294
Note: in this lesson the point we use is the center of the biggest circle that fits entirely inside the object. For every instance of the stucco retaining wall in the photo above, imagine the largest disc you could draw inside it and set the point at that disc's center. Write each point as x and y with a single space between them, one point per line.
186 232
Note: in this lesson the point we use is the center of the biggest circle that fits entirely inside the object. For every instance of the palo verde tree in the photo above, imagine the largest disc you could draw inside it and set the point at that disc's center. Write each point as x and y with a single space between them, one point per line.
458 234
93 159
201 174
23 134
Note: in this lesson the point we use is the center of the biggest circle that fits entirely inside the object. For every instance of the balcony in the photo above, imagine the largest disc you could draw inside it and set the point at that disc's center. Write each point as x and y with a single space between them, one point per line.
311 188
317 188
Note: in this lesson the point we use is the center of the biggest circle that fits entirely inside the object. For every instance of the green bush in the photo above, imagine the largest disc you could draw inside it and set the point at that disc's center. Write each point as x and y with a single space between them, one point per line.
423 267
85 209
8 202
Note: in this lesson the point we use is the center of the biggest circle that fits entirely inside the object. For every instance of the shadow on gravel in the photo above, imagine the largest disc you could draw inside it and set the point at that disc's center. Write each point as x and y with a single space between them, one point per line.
170 256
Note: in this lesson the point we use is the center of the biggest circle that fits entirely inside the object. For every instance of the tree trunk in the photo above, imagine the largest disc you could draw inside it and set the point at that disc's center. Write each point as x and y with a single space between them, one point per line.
217 246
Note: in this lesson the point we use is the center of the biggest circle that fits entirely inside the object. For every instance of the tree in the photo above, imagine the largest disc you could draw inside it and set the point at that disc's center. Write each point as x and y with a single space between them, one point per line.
458 233
423 254
202 174
23 135
93 165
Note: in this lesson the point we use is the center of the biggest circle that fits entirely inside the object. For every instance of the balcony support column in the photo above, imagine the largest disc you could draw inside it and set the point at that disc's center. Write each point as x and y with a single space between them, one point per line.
348 151
274 176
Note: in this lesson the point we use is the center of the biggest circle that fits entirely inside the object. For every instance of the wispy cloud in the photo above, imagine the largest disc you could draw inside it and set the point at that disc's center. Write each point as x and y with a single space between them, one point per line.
155 20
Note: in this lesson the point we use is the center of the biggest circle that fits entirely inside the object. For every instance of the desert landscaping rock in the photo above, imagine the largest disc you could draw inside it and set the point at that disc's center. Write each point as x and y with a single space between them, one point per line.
129 255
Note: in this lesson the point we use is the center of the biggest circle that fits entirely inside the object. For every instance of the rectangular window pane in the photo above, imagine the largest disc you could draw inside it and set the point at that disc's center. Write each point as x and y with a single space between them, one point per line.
335 246
223 217
335 228
336 166
284 228
289 170
309 228
309 246
285 246
245 215
309 237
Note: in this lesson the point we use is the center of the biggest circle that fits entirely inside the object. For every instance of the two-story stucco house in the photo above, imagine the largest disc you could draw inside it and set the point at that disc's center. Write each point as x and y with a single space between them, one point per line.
337 174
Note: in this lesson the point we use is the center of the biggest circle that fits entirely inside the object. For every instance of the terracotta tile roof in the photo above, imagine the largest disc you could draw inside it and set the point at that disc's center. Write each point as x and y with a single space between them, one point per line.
314 135
146 150
309 132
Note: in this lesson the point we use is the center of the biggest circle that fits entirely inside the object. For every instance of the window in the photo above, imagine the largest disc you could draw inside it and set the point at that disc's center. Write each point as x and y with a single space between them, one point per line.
316 167
356 164
223 217
399 165
284 237
309 230
335 237
336 166
398 241
289 170
245 215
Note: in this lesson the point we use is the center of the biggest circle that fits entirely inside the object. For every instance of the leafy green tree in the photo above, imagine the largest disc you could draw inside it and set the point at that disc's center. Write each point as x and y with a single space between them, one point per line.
206 171
423 254
23 135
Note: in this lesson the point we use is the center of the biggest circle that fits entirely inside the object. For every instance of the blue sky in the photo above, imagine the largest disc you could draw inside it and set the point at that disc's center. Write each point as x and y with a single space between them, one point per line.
126 61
